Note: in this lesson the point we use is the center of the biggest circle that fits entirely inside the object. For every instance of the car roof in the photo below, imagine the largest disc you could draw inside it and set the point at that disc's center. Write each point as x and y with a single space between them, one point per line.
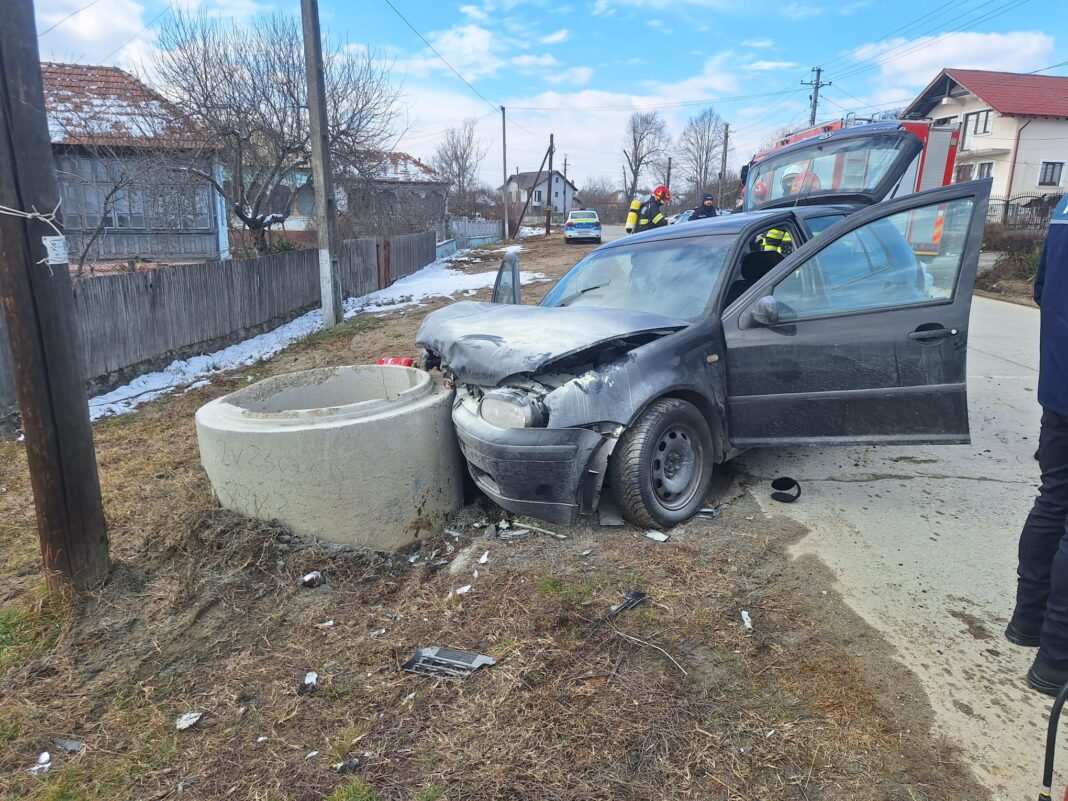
582 211
730 224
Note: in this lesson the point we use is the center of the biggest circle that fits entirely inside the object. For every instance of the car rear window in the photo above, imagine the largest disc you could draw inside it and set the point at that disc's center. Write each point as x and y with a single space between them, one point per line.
583 216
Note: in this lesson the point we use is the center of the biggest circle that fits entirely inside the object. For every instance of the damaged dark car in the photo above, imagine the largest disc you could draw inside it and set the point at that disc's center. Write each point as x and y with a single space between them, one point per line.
664 354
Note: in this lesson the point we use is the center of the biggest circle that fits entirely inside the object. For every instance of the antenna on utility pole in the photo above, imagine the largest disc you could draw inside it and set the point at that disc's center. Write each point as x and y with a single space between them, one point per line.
815 96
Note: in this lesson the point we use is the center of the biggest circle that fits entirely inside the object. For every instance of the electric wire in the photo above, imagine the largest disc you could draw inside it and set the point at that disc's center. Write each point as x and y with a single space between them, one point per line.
75 12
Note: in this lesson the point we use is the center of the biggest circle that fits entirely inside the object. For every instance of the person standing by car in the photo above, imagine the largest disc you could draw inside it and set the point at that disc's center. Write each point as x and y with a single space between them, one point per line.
707 208
651 214
1041 614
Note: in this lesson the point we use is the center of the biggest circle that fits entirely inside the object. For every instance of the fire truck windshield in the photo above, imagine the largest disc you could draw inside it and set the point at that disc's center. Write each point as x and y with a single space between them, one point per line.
828 171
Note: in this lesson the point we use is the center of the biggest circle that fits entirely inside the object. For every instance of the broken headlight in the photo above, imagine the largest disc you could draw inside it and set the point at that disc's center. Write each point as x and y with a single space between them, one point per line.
511 408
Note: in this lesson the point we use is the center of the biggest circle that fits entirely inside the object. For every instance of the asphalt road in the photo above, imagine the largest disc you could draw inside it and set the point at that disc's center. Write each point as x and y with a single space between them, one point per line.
923 542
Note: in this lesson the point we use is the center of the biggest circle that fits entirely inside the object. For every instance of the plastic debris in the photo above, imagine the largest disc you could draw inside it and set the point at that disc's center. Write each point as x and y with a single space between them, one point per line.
261 739
504 524
70 746
325 624
747 622
377 633
187 720
475 574
633 598
587 552
710 511
44 762
415 557
459 591
311 683
609 513
347 766
541 530
313 579
659 536
454 533
449 662
784 490
312 755
484 558
514 534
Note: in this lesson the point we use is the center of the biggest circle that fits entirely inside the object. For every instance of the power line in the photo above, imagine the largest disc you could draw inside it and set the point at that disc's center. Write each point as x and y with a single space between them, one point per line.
144 28
441 57
71 14
637 106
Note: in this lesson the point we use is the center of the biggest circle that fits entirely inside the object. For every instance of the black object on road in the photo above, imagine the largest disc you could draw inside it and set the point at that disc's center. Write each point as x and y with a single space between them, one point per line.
784 490
1044 794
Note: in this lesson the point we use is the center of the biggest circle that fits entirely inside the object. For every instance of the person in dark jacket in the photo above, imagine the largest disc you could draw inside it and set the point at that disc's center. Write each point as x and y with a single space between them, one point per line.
1041 615
706 209
651 214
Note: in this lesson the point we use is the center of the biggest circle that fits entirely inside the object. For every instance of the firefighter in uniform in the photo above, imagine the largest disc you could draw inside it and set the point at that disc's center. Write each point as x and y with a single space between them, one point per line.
1041 615
651 214
779 240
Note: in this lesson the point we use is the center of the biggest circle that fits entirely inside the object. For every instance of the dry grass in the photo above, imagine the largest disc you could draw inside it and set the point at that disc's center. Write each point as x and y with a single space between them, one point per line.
203 611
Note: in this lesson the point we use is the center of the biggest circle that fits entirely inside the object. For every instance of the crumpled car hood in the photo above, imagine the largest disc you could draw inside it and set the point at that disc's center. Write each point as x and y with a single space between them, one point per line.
483 343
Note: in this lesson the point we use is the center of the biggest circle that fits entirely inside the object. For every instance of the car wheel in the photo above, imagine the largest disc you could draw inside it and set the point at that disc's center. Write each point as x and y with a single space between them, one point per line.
662 466
598 240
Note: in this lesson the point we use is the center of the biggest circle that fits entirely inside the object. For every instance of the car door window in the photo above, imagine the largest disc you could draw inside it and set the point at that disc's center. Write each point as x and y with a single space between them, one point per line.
817 225
907 258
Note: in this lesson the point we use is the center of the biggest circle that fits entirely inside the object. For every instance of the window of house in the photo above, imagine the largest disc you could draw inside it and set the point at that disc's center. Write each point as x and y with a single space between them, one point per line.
1050 174
964 172
986 169
537 195
982 122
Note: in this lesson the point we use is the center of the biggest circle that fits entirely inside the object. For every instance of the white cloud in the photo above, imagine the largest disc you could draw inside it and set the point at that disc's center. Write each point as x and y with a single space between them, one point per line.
544 60
475 13
759 43
93 33
556 37
578 76
768 66
916 62
797 10
471 49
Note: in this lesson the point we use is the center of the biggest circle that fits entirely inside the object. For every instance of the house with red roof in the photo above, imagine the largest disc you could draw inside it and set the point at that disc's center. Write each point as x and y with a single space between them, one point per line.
1014 127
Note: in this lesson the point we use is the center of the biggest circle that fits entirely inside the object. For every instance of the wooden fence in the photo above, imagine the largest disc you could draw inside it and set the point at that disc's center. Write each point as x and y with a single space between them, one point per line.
130 323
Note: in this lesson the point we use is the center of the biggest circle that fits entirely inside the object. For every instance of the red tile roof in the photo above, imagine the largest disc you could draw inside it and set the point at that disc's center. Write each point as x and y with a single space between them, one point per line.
1010 93
90 105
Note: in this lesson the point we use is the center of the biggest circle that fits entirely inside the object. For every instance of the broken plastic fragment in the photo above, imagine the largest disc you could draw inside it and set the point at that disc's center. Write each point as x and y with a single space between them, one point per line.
312 755
436 661
659 536
325 624
587 552
187 720
747 622
70 746
377 633
311 683
261 739
44 762
454 533
484 558
347 766
313 579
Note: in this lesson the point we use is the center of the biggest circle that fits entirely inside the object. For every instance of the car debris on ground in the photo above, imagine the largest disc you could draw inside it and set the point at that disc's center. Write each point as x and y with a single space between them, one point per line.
659 536
70 746
632 598
313 579
310 683
187 720
747 622
448 662
484 558
783 490
347 766
44 763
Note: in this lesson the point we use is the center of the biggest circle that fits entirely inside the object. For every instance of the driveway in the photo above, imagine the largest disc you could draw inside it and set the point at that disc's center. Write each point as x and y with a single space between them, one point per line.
923 542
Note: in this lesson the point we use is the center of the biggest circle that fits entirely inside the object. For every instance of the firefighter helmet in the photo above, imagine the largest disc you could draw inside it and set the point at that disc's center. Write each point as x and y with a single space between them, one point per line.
662 193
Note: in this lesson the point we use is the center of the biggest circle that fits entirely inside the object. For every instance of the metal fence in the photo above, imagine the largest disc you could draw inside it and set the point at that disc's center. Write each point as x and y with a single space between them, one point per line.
1022 211
481 231
133 323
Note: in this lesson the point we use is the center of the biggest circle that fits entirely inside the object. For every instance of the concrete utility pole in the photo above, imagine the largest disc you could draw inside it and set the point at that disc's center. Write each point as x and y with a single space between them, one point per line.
552 204
504 163
815 96
669 173
35 291
723 163
325 200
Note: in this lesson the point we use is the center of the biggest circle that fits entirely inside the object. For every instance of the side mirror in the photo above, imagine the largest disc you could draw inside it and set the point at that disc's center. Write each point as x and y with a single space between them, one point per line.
506 288
766 311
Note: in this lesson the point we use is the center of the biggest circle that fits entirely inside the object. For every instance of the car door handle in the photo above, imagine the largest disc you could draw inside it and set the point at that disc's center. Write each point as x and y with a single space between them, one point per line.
932 334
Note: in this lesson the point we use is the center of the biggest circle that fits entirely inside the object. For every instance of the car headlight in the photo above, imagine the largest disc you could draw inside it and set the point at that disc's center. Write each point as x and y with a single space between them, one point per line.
511 408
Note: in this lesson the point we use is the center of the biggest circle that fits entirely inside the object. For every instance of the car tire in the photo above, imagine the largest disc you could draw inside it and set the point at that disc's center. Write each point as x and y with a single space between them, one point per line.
657 492
598 240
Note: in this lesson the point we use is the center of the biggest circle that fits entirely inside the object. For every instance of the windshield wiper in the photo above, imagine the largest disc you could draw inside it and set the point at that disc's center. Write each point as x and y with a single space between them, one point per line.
574 295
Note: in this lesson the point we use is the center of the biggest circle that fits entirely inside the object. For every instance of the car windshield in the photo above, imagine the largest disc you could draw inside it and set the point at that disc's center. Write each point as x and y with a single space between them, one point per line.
847 167
674 278
583 216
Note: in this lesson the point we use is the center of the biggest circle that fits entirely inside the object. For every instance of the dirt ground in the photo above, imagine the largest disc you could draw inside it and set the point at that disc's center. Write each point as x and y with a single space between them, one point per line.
203 612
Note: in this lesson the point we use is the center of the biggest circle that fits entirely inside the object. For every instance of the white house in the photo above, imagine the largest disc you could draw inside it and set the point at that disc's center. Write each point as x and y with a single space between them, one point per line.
561 194
1014 127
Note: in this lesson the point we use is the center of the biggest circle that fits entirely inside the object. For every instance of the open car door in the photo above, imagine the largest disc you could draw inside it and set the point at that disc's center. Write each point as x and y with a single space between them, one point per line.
506 288
861 335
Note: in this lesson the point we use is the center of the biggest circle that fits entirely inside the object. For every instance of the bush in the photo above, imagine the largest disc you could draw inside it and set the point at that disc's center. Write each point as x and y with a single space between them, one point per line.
1017 242
283 245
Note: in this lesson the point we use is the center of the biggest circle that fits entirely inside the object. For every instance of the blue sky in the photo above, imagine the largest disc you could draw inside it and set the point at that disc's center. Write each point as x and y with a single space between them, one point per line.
578 69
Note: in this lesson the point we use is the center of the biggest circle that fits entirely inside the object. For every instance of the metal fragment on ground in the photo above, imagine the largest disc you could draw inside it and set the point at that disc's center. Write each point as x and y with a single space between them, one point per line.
448 662
187 720
70 746
659 536
313 579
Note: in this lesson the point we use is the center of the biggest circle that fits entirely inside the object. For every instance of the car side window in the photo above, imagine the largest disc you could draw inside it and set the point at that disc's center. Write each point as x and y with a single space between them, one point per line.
904 259
817 225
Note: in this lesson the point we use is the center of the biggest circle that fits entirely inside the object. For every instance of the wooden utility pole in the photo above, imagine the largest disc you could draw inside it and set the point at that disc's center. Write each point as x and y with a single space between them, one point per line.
504 164
669 173
35 291
723 163
323 178
552 182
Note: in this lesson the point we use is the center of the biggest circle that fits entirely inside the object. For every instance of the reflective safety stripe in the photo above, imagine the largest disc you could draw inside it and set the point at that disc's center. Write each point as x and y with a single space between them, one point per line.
776 238
657 218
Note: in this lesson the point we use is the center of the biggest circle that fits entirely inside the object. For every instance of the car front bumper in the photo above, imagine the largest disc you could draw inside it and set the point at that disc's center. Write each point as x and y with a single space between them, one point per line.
552 474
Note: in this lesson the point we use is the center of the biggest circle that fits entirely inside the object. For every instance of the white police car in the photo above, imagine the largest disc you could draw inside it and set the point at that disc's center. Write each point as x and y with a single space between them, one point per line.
581 225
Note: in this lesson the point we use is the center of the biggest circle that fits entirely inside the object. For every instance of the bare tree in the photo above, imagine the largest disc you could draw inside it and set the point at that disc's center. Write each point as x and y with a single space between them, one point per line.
457 158
644 141
700 149
246 87
603 195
